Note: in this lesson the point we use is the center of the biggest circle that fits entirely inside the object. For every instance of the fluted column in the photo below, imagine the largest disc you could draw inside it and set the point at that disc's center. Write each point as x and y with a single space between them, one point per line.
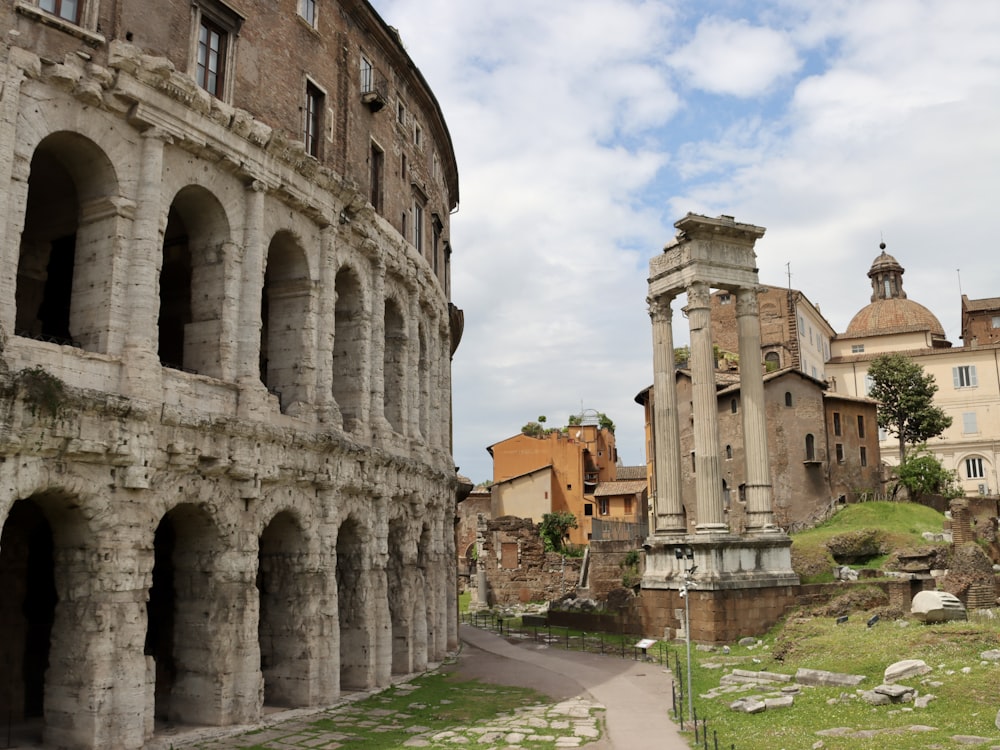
667 499
758 477
708 474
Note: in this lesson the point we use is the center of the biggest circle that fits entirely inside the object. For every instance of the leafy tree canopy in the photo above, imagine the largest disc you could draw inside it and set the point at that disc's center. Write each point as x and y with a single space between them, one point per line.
921 473
555 527
906 401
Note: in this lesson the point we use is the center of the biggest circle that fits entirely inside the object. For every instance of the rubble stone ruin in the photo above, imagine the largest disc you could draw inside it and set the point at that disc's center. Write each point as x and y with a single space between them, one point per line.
742 582
225 353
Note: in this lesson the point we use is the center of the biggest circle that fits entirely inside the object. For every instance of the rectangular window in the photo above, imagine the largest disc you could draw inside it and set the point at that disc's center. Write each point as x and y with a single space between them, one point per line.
376 168
588 509
969 426
974 468
840 453
211 57
861 426
437 227
995 321
725 299
418 226
367 75
312 128
863 454
602 506
836 423
68 10
868 383
418 135
857 348
627 503
964 376
400 113
307 9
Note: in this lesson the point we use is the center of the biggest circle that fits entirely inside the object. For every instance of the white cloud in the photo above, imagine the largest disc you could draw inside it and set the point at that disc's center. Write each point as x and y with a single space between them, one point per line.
832 124
734 58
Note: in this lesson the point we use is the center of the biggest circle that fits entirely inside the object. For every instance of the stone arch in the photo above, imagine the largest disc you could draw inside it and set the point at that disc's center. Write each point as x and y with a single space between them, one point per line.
350 348
285 309
192 282
42 566
184 637
64 271
285 628
355 607
394 365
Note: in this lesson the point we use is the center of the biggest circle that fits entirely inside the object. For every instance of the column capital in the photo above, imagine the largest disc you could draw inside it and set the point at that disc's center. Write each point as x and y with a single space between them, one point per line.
699 295
746 301
660 308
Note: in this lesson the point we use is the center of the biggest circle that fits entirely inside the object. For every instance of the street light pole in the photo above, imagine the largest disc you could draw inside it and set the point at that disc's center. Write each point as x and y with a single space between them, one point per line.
681 553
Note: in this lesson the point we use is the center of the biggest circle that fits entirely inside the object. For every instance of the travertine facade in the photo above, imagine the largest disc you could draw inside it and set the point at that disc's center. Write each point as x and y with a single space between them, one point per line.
225 470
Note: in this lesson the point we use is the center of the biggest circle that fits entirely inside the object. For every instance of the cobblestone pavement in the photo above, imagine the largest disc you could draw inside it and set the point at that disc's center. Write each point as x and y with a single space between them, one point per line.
567 724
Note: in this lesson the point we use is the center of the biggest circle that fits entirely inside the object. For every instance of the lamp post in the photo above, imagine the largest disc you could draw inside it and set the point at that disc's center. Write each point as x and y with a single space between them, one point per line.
683 553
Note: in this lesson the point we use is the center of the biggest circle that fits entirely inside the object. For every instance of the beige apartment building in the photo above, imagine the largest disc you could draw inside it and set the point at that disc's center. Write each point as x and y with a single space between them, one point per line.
968 377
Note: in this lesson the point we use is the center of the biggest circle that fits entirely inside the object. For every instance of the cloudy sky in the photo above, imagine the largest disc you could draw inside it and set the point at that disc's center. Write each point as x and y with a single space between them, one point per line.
584 128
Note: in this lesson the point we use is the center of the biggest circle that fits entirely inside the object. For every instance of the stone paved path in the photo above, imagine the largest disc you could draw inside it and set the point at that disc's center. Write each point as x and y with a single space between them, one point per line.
598 703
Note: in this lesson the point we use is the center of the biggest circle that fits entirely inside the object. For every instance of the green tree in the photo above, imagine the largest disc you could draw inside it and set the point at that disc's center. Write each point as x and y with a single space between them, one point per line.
922 474
906 401
555 527
536 429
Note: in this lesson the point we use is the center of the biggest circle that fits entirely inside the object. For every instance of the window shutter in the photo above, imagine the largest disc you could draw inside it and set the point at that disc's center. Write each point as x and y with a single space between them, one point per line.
955 377
972 375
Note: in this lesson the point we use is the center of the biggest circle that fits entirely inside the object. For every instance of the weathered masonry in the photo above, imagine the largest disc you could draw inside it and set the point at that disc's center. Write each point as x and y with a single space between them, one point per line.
225 343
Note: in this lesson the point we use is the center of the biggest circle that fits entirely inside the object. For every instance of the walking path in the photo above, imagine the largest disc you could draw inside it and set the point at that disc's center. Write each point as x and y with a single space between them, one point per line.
634 698
636 695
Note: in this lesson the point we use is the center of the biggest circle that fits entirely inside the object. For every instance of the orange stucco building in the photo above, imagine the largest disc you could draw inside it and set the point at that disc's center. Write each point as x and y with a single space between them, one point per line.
558 471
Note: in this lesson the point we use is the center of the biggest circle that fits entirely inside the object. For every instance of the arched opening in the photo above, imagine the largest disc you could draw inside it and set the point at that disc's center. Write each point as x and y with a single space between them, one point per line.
64 277
349 349
394 365
734 406
284 306
772 361
356 638
788 398
180 632
283 627
401 597
27 611
810 447
192 283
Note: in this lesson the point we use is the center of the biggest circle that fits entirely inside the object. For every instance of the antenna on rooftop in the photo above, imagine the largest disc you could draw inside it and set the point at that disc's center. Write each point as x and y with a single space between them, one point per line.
959 272
788 272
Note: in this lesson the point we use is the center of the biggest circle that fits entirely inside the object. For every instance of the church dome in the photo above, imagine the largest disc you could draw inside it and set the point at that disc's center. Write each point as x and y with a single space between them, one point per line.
895 315
890 311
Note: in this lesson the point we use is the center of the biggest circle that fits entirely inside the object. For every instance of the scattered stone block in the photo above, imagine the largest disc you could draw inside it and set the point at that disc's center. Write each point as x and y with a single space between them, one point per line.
875 699
748 705
937 606
905 668
991 655
823 678
784 701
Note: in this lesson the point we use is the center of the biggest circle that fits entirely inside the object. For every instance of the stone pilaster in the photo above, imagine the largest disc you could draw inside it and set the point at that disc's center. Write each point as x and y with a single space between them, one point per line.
667 498
708 473
758 477
377 369
141 358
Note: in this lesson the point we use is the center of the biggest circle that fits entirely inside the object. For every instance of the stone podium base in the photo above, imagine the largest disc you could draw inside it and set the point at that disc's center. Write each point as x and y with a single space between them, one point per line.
742 585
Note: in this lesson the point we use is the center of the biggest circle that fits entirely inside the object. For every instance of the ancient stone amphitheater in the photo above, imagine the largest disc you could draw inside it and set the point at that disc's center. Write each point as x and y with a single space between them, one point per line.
225 342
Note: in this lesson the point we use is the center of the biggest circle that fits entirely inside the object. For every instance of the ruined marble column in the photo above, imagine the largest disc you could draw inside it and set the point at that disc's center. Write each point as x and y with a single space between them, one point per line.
708 473
667 500
758 477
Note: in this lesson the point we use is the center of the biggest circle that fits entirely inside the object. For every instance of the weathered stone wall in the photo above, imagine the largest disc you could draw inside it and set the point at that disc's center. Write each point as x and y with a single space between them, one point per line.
716 616
518 569
225 470
606 566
